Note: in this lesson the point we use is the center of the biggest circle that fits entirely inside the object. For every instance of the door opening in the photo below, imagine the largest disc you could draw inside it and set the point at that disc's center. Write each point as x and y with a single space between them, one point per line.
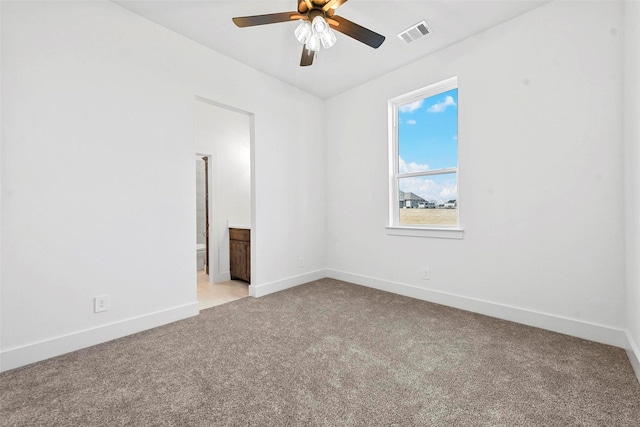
202 214
223 143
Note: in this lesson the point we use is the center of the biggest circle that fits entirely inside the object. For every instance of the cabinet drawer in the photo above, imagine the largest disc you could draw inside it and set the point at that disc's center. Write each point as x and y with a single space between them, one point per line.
240 234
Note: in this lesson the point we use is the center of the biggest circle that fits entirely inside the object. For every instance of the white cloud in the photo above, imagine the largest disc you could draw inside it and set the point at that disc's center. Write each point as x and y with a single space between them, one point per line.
437 188
448 192
410 108
441 106
430 189
404 167
411 122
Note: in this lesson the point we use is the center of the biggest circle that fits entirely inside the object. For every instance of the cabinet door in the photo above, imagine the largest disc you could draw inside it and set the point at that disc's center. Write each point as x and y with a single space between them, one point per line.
238 254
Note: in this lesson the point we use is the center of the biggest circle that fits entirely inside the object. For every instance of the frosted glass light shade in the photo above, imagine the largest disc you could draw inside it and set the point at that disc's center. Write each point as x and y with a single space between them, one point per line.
303 32
319 25
313 43
328 38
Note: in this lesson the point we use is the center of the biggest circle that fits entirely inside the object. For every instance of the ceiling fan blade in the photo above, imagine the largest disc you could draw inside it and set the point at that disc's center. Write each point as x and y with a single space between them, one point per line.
357 32
271 18
307 57
333 4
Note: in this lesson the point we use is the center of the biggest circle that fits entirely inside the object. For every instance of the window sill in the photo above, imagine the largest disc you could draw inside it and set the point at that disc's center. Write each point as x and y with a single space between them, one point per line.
437 233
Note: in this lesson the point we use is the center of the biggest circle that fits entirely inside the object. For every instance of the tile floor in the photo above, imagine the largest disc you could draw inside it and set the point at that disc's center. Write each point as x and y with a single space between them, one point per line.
212 294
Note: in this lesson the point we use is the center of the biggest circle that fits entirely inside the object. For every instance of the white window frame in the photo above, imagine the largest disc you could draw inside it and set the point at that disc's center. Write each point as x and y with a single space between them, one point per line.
416 230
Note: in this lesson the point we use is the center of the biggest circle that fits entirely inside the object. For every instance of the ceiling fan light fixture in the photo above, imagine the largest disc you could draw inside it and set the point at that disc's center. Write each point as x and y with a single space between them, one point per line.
318 34
303 32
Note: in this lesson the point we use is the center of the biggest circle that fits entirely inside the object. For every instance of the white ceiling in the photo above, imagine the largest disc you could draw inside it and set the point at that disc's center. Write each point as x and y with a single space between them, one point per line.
274 50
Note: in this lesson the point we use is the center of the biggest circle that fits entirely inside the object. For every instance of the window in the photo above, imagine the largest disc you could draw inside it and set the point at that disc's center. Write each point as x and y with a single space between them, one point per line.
423 151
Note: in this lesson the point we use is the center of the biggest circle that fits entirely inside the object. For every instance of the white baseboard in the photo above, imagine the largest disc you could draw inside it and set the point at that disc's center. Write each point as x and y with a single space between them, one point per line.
35 352
31 353
563 325
633 352
258 291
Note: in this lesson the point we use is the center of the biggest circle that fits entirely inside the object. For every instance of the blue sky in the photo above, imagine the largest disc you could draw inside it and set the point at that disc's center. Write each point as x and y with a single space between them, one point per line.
427 140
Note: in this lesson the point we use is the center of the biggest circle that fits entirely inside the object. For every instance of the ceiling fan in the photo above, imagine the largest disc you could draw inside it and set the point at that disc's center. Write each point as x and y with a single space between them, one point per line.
318 18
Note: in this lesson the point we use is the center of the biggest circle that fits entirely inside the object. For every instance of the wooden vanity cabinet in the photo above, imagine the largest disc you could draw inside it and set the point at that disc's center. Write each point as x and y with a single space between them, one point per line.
240 253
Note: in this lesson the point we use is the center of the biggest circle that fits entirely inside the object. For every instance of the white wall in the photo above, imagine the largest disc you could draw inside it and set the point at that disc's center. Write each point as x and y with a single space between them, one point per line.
98 174
226 135
632 177
540 156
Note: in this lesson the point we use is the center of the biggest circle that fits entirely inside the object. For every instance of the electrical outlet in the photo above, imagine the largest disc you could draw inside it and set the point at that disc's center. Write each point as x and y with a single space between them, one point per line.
101 303
426 273
300 261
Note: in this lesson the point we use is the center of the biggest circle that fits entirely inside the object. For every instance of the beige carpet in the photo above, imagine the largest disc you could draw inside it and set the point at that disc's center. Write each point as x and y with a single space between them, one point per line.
329 353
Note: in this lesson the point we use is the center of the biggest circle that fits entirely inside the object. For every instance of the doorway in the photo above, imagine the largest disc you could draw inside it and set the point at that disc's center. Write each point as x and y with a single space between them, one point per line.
202 213
224 192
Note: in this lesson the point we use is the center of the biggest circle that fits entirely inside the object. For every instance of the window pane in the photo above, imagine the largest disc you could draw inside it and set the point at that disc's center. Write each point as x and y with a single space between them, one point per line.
428 200
428 133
